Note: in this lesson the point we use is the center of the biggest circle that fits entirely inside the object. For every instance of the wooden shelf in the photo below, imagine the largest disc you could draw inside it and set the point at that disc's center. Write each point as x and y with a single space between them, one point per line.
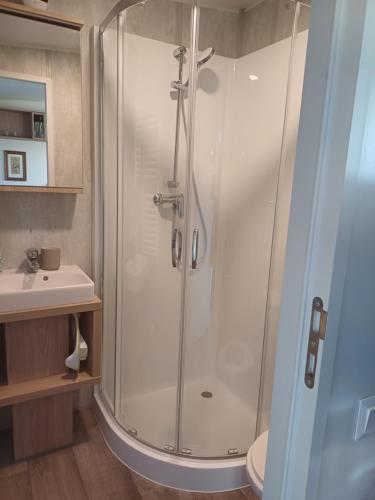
41 189
17 138
47 386
40 15
47 312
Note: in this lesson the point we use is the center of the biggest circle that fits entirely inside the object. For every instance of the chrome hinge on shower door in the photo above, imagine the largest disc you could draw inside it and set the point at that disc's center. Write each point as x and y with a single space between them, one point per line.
317 333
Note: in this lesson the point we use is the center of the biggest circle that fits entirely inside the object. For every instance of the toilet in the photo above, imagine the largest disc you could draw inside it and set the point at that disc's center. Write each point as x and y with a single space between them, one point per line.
256 463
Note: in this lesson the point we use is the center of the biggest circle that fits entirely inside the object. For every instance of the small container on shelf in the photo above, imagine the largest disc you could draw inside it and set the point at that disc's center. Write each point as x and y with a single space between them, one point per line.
50 259
39 125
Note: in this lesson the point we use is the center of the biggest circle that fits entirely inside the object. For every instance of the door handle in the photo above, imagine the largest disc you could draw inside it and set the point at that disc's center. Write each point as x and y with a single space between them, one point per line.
176 247
317 333
194 253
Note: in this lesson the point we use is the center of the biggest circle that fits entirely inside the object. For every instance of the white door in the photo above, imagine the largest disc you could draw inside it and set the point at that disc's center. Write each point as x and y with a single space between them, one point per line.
312 452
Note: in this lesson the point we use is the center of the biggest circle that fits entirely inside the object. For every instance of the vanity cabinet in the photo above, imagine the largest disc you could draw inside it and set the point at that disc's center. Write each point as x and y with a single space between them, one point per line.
42 425
36 349
33 379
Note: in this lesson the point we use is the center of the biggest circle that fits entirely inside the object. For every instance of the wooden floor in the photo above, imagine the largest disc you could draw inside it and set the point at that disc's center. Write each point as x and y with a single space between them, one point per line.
85 471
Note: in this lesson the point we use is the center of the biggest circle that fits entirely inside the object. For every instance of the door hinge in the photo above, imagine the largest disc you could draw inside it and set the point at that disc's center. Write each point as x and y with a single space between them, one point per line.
317 333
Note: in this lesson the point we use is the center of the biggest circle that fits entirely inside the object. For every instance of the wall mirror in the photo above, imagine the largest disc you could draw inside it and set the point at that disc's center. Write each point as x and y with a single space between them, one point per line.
40 101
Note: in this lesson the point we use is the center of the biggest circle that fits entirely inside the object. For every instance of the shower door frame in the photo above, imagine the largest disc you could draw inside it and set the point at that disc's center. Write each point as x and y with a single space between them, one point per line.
194 34
117 12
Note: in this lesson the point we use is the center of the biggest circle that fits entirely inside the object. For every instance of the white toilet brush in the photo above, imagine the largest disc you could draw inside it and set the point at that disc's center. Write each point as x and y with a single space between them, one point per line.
80 350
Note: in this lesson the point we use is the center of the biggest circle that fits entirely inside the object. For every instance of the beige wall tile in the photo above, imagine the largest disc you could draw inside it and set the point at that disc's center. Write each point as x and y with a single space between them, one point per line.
56 220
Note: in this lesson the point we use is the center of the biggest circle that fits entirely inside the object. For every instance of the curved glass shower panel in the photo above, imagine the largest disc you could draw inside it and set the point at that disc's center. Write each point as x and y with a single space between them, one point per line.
239 119
155 42
197 161
295 88
109 117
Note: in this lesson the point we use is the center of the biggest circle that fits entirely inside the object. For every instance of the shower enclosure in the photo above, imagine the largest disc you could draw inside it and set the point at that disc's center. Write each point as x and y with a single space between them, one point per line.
199 119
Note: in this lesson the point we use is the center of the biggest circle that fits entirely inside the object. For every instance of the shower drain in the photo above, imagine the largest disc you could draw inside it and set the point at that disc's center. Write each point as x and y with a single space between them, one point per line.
206 394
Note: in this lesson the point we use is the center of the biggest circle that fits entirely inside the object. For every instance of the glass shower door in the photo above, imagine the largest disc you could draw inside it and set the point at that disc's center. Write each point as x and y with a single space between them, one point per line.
151 218
192 173
239 119
109 112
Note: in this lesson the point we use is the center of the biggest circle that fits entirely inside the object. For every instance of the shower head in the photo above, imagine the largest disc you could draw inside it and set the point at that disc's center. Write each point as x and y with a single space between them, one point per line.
206 56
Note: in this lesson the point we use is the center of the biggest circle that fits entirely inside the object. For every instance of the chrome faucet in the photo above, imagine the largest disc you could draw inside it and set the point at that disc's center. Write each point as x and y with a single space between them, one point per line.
32 258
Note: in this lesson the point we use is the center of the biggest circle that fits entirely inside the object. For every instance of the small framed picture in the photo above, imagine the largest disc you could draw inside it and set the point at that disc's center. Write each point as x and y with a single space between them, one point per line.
15 165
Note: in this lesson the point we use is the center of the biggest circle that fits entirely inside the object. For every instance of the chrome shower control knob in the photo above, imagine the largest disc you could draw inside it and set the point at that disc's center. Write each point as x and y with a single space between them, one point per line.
158 199
177 202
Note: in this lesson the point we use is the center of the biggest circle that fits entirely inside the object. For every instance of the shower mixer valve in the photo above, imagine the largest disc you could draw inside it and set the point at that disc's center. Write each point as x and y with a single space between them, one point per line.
177 201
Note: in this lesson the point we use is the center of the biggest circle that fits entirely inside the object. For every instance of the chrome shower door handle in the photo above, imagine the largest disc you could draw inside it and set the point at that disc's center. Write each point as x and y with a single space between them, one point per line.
194 253
176 247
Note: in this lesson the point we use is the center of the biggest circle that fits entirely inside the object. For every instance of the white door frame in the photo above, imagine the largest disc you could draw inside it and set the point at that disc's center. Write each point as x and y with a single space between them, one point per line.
323 161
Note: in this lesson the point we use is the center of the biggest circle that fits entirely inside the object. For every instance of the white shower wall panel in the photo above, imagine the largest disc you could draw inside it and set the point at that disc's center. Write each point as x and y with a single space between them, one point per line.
212 108
282 219
238 140
246 221
240 114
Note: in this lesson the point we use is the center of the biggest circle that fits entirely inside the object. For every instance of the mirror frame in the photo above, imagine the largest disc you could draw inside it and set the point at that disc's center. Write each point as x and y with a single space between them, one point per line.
49 111
40 15
56 19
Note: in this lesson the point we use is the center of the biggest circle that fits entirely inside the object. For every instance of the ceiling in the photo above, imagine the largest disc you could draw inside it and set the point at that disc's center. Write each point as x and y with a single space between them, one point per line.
236 4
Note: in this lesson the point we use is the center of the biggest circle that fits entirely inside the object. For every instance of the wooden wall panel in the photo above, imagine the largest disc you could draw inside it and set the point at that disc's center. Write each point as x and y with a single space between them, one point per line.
42 425
36 348
15 123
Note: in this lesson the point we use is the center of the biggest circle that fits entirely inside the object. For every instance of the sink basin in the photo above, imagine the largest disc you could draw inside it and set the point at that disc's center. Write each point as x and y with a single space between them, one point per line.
68 285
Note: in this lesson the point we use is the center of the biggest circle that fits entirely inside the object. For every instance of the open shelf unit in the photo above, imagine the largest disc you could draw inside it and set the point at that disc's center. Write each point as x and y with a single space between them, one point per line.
90 322
23 125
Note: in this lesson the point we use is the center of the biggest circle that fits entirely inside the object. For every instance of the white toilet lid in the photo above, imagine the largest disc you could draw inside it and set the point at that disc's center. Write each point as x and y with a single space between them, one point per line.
256 458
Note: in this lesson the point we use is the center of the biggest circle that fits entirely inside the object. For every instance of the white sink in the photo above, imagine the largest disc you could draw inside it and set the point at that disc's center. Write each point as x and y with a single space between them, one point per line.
68 285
